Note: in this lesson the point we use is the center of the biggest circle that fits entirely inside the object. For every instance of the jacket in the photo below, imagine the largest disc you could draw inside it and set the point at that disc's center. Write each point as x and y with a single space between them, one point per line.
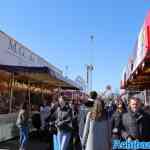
136 125
64 118
116 124
96 134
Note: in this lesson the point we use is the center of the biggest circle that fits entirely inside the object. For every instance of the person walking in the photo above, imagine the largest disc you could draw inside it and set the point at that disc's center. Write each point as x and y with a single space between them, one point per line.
22 123
51 121
44 113
75 134
64 124
116 120
84 109
136 122
96 135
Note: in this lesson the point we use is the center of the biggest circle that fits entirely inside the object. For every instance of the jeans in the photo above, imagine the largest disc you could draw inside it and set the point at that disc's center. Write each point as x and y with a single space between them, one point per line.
55 142
63 139
24 132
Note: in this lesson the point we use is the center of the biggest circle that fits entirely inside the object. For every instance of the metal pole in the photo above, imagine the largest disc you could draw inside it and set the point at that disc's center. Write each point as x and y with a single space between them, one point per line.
42 94
59 90
9 84
87 67
29 96
146 97
91 69
11 93
91 63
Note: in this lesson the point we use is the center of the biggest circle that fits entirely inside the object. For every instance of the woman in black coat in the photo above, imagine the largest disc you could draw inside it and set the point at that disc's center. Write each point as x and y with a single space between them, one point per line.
116 120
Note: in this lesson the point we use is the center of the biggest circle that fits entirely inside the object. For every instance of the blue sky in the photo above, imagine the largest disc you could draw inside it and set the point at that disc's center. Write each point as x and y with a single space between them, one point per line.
60 30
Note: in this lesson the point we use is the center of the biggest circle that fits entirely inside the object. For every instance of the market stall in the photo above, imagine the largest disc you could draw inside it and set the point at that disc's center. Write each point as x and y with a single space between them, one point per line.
21 81
24 76
136 75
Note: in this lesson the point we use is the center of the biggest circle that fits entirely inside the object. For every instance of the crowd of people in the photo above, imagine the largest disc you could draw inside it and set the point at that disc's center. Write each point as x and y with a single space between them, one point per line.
89 126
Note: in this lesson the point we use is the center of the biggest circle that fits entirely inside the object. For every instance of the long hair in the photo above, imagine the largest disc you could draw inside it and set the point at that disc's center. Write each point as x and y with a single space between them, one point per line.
123 108
97 110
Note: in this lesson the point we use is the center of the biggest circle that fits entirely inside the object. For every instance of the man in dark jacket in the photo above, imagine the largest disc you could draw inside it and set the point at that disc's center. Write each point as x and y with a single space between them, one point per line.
64 123
136 122
51 125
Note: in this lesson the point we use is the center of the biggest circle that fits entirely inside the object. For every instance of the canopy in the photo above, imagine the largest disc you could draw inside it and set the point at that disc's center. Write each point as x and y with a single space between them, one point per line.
42 76
136 76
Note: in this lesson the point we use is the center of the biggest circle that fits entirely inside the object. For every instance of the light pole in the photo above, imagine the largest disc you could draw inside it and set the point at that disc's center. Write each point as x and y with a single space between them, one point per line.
91 66
89 69
91 79
66 71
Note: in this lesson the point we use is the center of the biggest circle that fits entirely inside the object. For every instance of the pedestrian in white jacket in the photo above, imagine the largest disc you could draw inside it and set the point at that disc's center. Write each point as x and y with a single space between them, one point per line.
96 134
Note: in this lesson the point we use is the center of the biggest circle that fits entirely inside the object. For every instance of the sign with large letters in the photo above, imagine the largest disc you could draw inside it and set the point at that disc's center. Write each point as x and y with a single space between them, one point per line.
14 53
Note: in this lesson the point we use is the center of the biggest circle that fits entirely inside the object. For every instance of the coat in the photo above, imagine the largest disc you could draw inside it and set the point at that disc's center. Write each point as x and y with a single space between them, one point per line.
64 119
96 134
136 125
116 124
82 119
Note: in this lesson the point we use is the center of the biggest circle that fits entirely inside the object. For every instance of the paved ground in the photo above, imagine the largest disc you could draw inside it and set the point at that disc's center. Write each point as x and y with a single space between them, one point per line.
34 144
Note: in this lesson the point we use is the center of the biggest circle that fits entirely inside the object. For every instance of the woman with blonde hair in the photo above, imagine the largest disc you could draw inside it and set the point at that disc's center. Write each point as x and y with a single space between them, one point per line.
96 134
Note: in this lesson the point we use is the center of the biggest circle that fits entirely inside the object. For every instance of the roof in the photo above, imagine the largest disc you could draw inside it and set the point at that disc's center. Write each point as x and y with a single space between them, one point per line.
11 47
40 76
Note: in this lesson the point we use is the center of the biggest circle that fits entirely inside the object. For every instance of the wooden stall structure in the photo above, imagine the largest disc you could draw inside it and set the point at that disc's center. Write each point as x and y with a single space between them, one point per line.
24 75
26 80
